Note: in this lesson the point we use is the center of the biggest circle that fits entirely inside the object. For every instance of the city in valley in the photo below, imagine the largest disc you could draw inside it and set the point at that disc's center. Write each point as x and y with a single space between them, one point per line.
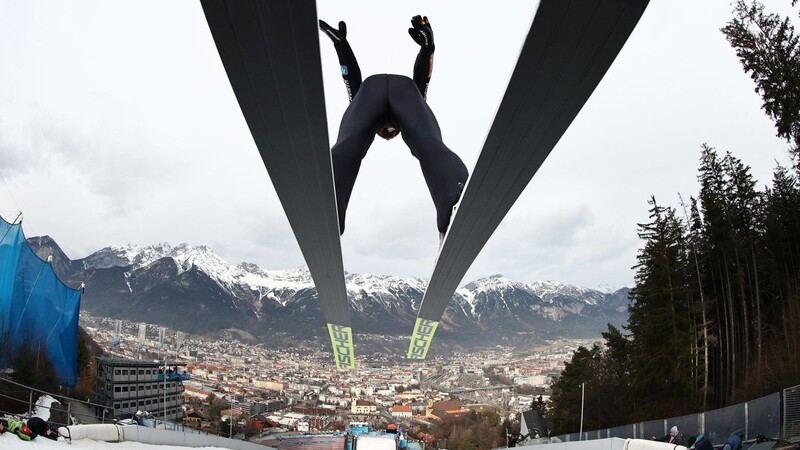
269 388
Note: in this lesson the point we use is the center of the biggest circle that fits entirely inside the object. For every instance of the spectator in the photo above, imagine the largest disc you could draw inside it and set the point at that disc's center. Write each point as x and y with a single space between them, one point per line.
734 443
699 442
674 436
42 428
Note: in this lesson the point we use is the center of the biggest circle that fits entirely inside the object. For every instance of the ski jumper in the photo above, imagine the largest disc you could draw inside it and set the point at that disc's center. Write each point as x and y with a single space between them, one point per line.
394 102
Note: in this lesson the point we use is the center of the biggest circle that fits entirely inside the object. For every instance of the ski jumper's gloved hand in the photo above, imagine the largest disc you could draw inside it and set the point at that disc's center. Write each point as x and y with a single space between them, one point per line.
337 36
351 73
422 33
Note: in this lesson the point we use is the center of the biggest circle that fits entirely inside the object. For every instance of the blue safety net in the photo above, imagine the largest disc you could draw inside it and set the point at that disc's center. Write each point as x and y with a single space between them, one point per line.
36 308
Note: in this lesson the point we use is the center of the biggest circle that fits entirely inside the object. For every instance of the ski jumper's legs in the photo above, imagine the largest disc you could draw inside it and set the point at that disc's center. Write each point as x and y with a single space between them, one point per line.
366 113
443 170
383 98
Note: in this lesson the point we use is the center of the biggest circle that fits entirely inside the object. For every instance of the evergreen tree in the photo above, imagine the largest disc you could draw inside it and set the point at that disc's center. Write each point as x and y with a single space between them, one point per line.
659 318
716 301
731 267
604 374
745 218
617 402
713 311
769 51
540 406
715 251
700 312
565 402
782 242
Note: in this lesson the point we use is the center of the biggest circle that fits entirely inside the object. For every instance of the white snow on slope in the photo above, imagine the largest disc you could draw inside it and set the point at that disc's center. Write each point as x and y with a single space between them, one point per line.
11 441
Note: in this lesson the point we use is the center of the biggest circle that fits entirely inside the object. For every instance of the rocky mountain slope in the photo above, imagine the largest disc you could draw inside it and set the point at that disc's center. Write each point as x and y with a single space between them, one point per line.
192 289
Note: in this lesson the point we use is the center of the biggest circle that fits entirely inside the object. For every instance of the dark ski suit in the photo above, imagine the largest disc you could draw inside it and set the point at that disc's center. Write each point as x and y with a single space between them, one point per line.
398 101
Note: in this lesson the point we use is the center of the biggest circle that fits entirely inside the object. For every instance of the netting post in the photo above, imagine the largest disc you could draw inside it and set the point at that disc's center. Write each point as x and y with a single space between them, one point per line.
746 420
790 426
69 413
701 423
30 401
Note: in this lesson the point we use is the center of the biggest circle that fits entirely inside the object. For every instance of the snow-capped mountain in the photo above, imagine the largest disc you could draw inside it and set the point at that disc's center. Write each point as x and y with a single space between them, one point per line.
192 289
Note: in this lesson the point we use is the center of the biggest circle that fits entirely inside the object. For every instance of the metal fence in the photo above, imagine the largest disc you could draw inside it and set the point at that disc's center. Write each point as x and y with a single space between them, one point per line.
69 411
791 413
767 416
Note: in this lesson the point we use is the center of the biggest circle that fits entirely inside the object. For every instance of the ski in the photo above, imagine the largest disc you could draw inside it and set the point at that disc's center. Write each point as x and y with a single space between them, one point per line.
270 51
570 46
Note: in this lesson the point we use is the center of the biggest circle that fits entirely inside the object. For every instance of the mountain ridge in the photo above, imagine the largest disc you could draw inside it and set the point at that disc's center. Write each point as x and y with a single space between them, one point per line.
191 288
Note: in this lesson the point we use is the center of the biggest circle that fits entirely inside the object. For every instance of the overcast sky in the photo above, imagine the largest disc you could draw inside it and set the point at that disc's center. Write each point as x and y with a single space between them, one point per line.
118 125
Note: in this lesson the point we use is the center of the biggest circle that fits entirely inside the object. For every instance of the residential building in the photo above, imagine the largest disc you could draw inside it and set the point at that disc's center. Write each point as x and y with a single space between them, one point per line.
196 419
442 410
363 407
269 384
253 407
130 385
401 411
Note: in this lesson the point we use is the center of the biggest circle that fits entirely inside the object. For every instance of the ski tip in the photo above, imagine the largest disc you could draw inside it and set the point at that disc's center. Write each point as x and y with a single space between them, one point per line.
421 339
342 343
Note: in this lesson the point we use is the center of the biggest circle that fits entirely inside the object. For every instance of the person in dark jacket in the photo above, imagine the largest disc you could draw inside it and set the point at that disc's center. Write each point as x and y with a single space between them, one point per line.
734 443
42 428
388 105
700 442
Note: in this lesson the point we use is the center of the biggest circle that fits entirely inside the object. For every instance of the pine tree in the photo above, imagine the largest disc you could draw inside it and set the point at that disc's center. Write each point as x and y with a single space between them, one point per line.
698 305
715 254
782 242
731 267
769 51
615 378
604 371
659 317
745 218
540 406
565 402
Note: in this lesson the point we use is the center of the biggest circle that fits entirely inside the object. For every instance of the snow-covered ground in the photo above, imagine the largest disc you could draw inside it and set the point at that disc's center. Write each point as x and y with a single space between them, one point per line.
11 441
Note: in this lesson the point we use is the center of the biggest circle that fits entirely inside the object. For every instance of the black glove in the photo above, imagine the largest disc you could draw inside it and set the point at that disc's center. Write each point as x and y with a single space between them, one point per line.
337 36
422 33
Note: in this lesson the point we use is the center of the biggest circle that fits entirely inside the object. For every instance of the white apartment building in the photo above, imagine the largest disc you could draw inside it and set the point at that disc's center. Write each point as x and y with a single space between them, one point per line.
130 385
